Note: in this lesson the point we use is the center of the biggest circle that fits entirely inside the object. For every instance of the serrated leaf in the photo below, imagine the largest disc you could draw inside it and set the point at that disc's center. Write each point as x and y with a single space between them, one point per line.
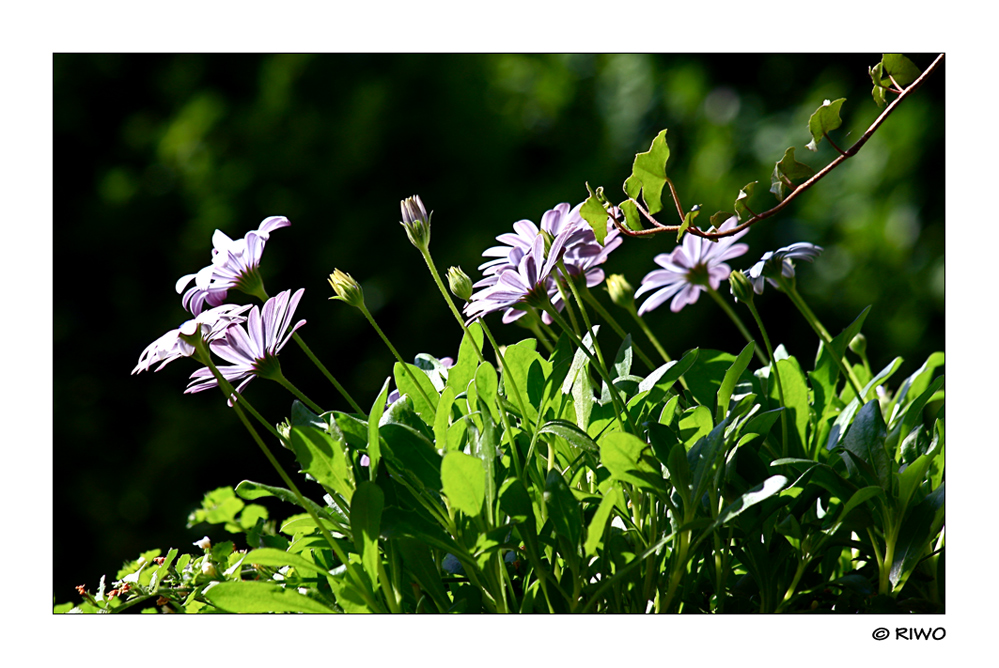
744 194
788 170
687 221
593 212
898 67
464 481
632 218
825 119
649 174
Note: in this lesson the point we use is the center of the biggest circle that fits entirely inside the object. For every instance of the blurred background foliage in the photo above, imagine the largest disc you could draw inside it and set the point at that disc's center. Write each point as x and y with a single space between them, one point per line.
154 152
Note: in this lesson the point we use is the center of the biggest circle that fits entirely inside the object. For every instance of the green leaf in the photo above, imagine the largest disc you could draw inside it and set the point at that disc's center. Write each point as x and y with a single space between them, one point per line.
220 506
622 362
702 459
687 221
595 531
374 442
324 458
631 216
255 490
900 68
825 119
788 170
563 509
412 453
628 458
659 381
694 425
257 597
485 447
463 370
365 522
740 200
731 377
719 218
909 481
593 212
528 371
486 385
464 481
913 415
761 492
859 498
918 532
796 398
442 419
571 433
827 369
269 556
866 439
679 472
649 174
404 381
400 523
418 560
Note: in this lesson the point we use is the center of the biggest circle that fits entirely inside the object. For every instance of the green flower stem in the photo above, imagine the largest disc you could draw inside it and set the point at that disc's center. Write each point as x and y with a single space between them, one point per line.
450 302
237 405
367 314
568 304
630 308
788 288
776 373
734 317
582 312
287 384
315 360
261 294
508 383
609 319
539 333
615 399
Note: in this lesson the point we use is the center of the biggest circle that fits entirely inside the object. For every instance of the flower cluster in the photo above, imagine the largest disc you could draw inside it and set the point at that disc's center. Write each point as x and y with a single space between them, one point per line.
582 256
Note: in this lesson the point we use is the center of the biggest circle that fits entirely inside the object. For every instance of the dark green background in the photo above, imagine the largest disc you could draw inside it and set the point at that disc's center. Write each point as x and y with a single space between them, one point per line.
154 152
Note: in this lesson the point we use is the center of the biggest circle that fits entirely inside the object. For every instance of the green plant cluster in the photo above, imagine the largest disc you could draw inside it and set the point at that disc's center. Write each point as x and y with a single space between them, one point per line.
554 482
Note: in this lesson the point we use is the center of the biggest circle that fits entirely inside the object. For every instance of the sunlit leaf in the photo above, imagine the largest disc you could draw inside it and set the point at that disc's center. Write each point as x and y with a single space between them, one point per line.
787 172
464 481
649 174
825 119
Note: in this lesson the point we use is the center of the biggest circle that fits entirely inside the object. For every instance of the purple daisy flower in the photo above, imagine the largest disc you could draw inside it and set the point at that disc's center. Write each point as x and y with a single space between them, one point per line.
779 262
253 347
212 323
583 254
528 281
692 266
234 265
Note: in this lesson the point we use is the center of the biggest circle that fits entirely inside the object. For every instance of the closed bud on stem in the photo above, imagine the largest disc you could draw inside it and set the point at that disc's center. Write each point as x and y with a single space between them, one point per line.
621 292
460 283
416 221
346 288
858 344
742 289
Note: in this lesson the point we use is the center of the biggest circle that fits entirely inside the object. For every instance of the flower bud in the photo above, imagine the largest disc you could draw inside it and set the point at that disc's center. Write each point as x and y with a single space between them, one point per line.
858 344
346 288
205 543
741 288
460 283
416 221
621 292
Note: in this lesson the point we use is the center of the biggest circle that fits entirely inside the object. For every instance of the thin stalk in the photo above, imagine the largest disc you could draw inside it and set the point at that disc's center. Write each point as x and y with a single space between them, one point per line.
734 317
508 382
582 312
609 319
287 384
776 373
823 333
541 336
450 302
405 367
315 360
261 294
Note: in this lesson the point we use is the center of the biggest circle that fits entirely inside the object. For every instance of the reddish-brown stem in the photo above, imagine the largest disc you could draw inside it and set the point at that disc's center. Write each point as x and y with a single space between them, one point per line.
832 143
805 185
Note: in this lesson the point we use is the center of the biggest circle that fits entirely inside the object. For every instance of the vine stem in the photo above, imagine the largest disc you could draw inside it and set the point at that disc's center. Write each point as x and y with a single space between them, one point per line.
805 185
